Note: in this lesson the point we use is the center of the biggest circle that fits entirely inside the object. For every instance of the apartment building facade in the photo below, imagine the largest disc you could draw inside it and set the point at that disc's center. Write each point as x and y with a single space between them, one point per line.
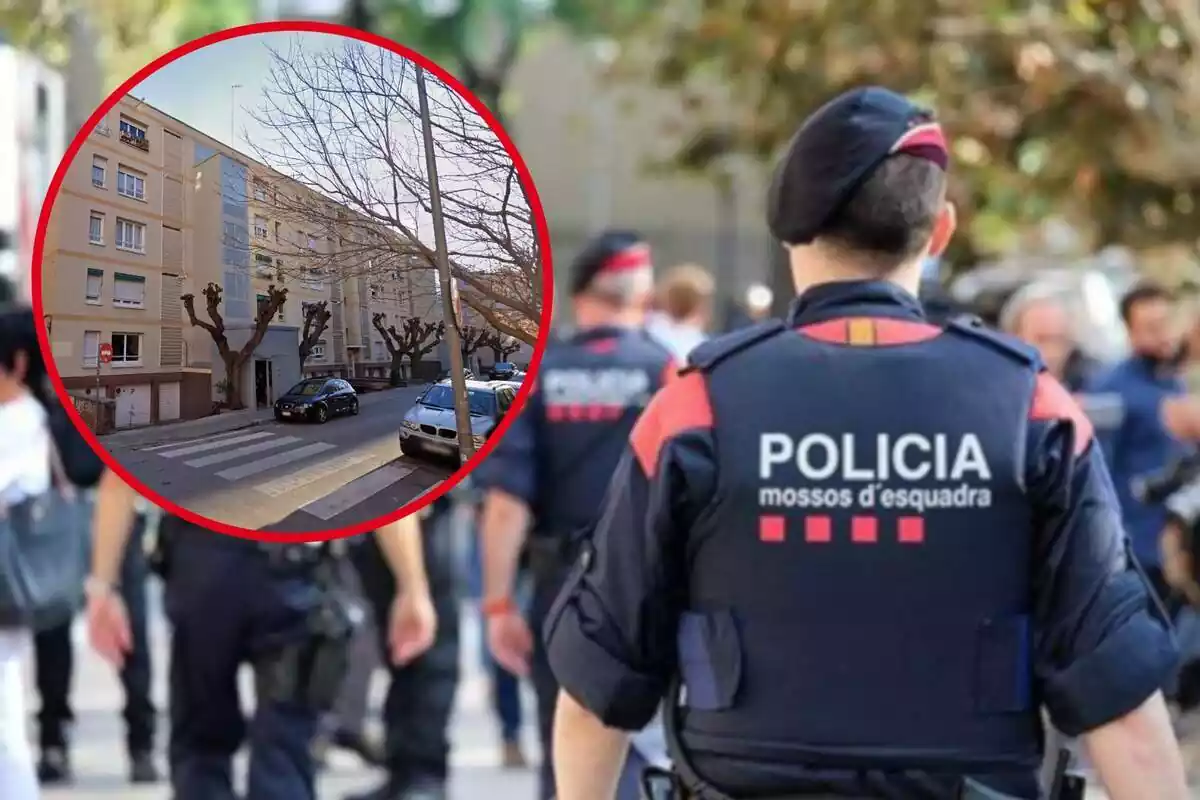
114 268
151 210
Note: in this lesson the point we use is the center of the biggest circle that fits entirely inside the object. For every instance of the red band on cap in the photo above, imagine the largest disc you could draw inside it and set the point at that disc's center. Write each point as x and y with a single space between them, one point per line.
928 135
636 257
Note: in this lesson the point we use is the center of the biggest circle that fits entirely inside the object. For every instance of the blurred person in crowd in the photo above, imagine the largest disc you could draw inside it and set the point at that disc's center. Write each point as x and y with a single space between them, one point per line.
25 453
420 694
346 726
506 687
548 475
53 648
1036 314
683 310
1159 420
234 601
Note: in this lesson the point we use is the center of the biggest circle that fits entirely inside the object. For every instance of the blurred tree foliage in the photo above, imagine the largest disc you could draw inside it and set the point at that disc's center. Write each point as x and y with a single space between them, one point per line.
479 41
127 34
1084 109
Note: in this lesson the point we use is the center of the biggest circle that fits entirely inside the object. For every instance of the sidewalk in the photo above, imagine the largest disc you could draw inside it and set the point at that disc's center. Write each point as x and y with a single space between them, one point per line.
224 422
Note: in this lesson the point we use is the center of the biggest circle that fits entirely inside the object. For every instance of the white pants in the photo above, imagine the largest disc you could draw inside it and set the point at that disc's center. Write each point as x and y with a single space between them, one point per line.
18 781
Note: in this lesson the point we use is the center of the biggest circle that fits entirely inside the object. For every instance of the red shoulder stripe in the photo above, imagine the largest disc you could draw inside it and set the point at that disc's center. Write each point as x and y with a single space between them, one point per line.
1052 401
681 405
870 331
670 373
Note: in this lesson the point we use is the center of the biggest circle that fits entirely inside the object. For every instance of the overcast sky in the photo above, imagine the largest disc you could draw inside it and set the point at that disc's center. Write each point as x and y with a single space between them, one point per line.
198 88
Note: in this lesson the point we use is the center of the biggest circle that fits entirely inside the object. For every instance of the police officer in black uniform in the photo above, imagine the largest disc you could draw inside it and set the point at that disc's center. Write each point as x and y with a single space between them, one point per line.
550 470
420 694
870 548
233 601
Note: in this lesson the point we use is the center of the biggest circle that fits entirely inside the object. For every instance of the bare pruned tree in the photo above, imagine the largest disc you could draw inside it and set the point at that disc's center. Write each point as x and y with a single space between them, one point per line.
472 338
316 321
414 337
502 345
345 124
233 360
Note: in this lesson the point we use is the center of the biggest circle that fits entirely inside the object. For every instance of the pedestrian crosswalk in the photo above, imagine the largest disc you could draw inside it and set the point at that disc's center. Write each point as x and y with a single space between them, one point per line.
326 479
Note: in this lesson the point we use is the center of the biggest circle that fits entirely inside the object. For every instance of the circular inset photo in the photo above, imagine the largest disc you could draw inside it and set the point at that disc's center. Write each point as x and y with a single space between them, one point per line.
292 281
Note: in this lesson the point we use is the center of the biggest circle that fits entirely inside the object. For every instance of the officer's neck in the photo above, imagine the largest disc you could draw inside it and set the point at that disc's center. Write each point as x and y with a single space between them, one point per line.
816 264
589 314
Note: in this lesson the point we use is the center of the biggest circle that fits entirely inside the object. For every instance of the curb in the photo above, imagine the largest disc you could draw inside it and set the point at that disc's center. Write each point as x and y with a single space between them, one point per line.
165 436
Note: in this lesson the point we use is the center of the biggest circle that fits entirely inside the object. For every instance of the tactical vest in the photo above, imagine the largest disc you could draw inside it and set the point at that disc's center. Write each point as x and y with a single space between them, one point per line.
591 388
860 590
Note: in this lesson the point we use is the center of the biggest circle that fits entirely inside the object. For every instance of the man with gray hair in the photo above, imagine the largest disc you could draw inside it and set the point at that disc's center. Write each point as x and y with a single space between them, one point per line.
1036 315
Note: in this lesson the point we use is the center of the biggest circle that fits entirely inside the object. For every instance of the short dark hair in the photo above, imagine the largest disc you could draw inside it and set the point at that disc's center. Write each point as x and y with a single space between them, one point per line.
891 216
1142 293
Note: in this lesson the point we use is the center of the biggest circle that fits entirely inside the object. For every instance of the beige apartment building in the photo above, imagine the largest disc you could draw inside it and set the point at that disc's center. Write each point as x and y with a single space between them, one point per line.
152 209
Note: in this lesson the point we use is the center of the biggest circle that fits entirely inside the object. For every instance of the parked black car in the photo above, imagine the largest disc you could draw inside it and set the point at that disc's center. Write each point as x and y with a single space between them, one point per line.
505 371
316 400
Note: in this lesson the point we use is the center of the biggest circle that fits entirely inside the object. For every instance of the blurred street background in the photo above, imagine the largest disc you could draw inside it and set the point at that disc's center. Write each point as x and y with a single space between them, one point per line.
100 766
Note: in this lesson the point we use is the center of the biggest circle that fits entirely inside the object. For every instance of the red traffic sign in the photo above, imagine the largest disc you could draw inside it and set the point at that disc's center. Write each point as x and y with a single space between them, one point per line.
105 353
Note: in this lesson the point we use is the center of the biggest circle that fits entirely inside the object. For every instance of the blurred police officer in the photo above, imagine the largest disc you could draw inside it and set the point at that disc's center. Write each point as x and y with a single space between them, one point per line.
233 601
550 470
870 548
420 694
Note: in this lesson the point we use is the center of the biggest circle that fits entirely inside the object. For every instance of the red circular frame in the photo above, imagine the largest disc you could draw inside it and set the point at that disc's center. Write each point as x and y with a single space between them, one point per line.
535 204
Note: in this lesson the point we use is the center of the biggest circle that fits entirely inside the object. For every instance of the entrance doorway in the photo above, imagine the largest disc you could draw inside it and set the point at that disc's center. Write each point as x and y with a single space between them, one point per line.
264 393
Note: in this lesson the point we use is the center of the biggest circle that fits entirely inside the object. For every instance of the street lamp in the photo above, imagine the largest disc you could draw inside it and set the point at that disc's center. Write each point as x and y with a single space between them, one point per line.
462 414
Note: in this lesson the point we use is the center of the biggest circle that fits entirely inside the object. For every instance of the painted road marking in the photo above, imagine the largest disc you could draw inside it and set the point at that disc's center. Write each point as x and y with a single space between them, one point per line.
277 460
238 452
356 491
197 440
298 480
211 445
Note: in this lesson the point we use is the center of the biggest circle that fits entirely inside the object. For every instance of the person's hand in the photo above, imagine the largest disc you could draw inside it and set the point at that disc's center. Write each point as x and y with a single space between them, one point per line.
108 625
413 626
510 641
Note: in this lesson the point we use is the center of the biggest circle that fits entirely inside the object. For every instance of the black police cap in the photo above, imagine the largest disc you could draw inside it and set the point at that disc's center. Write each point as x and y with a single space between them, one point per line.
837 148
610 251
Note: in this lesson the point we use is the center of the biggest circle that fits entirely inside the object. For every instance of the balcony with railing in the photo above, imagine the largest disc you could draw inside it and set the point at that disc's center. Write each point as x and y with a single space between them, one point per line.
140 142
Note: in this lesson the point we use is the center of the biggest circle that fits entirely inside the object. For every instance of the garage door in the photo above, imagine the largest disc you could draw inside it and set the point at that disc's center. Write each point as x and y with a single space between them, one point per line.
168 402
133 405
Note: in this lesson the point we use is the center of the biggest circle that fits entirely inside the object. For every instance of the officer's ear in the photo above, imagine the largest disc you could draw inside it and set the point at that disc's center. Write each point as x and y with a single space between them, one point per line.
943 229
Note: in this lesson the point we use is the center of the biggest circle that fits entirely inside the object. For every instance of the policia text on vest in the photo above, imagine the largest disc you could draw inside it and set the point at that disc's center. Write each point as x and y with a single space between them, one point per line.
798 473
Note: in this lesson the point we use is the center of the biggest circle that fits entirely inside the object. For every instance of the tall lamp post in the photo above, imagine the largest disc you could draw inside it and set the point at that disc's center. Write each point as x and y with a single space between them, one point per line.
462 414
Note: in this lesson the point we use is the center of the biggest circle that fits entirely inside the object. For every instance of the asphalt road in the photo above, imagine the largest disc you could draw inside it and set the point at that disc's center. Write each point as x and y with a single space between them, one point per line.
292 476
99 754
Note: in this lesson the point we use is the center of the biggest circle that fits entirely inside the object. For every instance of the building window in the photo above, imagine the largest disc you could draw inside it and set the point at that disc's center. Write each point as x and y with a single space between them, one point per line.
260 227
134 133
130 183
131 235
129 291
260 191
127 348
277 231
312 242
262 259
380 350
318 350
95 285
99 171
91 348
96 228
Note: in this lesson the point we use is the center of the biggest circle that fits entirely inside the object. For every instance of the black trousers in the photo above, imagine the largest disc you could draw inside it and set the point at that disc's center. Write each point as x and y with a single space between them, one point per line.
54 666
420 696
